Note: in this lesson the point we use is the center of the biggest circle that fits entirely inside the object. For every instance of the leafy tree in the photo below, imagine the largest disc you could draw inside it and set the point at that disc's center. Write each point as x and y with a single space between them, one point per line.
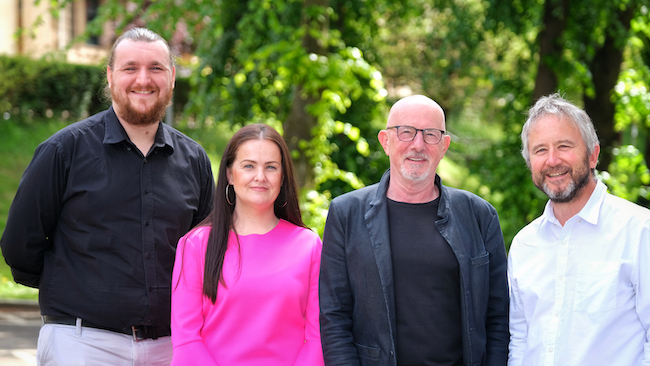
581 46
318 70
299 65
592 52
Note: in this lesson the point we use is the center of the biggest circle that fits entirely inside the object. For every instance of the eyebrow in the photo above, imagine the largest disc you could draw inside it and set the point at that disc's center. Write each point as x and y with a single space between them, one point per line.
132 62
566 142
255 161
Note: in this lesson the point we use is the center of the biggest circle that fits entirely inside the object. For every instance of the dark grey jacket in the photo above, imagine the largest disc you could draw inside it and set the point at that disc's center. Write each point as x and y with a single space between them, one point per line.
356 279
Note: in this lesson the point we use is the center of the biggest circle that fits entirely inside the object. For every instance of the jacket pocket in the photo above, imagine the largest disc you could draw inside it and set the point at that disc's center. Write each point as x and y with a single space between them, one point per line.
368 353
481 260
480 285
480 275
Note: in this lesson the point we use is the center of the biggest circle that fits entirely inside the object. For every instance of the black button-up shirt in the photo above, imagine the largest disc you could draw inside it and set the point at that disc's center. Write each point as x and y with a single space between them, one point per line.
94 224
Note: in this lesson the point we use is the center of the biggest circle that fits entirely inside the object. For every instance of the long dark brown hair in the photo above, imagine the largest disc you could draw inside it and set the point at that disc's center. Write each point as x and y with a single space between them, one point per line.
221 218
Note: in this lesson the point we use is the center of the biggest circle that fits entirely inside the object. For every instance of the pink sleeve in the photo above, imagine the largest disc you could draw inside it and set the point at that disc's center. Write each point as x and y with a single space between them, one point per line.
187 301
311 353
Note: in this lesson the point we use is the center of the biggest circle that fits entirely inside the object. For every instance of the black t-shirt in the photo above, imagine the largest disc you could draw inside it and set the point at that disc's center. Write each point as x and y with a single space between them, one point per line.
427 288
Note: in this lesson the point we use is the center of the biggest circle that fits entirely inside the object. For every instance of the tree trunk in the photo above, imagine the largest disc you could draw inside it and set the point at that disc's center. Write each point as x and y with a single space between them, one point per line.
605 68
300 122
550 49
298 128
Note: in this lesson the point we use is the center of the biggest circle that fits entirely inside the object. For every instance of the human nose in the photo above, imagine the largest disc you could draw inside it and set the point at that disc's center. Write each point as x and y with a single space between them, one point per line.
143 76
553 158
418 141
259 175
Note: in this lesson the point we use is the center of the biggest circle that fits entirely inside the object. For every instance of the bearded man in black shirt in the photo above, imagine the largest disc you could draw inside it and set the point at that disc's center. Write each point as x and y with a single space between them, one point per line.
99 211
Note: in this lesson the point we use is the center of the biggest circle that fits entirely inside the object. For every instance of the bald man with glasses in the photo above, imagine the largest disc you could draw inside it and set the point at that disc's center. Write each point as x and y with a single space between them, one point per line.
413 272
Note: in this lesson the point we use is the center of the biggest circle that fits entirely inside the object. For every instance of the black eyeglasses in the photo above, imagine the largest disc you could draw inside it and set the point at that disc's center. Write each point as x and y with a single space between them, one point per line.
431 136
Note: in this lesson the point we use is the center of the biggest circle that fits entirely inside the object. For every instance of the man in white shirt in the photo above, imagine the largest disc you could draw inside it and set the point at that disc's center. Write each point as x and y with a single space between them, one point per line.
580 274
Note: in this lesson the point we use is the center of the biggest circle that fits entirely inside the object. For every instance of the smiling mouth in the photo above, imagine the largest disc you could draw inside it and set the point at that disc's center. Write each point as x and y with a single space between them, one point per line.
416 159
143 92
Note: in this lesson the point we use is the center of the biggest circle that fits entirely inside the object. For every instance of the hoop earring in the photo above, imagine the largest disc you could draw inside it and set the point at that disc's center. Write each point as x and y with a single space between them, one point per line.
228 198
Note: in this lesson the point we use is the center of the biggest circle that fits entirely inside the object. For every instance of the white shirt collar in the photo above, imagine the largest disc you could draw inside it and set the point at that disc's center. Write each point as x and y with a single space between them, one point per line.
589 212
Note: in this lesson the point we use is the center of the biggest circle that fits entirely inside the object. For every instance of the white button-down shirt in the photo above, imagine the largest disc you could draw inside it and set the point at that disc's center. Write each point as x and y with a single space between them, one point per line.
580 293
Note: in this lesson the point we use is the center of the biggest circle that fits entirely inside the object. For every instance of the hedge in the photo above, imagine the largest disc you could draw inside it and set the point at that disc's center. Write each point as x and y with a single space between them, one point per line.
35 89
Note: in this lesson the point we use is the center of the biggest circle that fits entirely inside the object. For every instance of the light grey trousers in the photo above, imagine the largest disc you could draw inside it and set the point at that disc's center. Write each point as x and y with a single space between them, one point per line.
69 345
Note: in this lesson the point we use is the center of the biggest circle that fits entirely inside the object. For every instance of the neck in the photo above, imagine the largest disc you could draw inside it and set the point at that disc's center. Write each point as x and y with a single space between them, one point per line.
408 191
563 211
143 136
251 221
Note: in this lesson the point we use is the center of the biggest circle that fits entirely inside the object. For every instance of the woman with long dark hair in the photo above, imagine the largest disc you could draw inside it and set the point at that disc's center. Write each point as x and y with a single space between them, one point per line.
245 282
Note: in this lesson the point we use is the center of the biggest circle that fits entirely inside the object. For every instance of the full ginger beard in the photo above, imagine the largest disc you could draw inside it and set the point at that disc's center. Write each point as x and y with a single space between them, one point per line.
136 118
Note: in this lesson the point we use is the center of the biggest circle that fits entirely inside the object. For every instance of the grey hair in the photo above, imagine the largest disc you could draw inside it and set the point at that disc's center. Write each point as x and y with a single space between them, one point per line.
555 105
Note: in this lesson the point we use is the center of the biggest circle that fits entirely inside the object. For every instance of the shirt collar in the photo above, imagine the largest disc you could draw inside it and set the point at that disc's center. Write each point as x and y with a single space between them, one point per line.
589 212
115 133
164 139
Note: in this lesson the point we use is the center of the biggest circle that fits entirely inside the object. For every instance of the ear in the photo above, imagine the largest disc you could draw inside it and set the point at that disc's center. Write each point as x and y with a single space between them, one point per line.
382 136
228 176
173 77
593 158
109 75
446 141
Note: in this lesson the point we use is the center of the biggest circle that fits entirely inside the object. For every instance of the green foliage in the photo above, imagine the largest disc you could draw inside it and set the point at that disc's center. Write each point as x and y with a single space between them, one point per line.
506 184
632 93
586 26
38 89
44 89
437 50
477 58
252 59
628 175
355 148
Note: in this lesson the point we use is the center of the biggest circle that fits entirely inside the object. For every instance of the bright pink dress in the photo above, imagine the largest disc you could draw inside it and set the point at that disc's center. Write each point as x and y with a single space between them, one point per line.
266 315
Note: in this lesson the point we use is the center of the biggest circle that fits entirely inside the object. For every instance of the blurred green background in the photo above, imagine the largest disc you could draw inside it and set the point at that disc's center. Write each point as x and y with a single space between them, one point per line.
325 72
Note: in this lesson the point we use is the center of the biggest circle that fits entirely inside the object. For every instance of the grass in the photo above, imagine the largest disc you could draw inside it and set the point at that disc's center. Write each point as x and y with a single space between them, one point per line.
17 144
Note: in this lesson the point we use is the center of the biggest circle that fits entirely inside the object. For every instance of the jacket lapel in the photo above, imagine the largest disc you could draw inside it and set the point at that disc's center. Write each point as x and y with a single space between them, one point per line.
377 223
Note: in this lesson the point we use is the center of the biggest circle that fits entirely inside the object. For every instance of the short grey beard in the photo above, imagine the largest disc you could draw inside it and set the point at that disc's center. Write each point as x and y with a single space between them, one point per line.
570 193
413 176
560 197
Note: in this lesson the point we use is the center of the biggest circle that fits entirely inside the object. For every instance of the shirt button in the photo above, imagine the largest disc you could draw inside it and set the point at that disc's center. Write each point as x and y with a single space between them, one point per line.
146 191
550 350
147 223
145 160
128 148
560 278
